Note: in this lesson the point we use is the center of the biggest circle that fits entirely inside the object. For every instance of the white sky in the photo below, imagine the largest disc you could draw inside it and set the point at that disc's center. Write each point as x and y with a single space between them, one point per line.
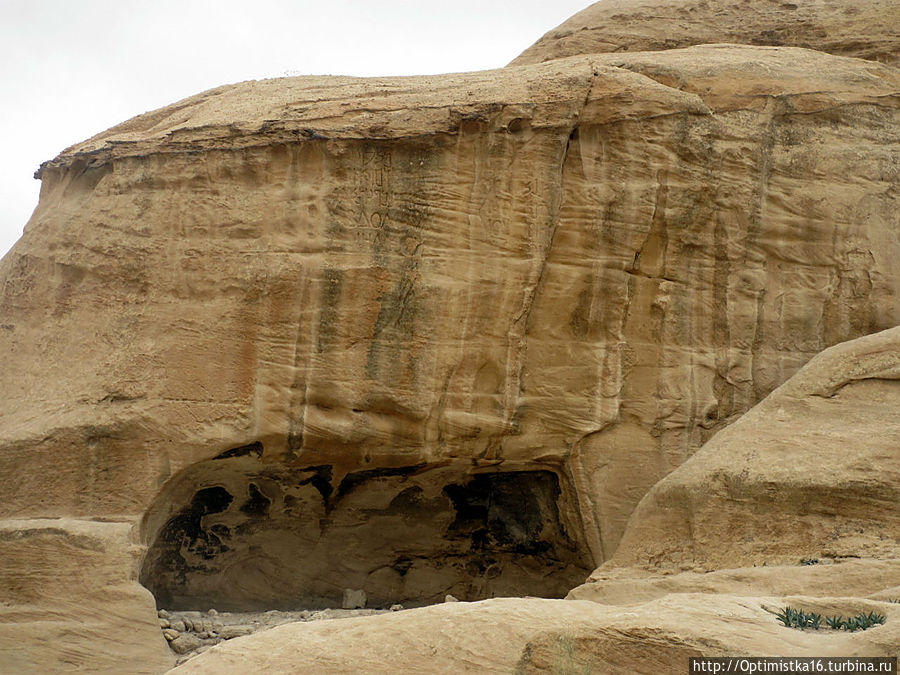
72 68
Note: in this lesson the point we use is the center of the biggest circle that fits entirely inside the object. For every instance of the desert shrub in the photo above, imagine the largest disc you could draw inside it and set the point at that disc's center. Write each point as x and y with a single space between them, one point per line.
797 618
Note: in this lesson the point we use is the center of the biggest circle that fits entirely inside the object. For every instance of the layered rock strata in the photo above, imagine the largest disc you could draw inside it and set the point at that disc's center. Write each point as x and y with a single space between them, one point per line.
432 335
569 275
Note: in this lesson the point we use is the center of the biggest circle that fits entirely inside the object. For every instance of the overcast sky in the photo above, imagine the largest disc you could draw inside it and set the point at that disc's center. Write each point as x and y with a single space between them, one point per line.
73 68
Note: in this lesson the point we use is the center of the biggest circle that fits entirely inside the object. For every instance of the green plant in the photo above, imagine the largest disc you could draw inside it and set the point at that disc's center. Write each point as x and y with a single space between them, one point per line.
797 618
875 619
786 616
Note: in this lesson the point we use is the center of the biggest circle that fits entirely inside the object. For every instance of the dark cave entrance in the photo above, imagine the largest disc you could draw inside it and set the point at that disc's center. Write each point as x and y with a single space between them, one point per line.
238 534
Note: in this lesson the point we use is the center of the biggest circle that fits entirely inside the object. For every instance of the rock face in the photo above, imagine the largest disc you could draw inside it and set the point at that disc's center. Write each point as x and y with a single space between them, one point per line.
833 497
435 336
70 601
811 472
865 29
517 635
301 310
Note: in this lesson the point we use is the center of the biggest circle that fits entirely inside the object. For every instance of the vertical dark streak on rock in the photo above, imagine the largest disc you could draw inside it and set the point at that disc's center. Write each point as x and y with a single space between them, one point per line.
519 330
723 391
754 224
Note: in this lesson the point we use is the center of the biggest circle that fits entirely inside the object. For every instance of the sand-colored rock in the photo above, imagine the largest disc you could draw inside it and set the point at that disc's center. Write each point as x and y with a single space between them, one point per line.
811 472
358 301
531 636
436 337
70 600
866 29
863 578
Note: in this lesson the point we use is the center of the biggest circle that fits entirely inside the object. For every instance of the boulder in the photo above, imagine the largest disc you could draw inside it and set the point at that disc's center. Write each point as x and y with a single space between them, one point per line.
354 599
811 472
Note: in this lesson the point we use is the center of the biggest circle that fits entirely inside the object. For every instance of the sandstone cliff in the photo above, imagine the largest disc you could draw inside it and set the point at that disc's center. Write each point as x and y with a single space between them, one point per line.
443 334
810 473
584 267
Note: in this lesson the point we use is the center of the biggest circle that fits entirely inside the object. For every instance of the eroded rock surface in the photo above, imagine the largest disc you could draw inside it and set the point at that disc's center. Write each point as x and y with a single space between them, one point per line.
438 336
585 267
539 636
811 472
70 600
262 537
865 29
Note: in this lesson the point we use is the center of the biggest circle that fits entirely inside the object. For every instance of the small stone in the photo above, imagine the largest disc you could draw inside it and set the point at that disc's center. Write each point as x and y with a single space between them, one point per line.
188 624
162 614
211 612
171 634
450 598
163 623
305 614
396 608
229 632
185 643
354 599
177 624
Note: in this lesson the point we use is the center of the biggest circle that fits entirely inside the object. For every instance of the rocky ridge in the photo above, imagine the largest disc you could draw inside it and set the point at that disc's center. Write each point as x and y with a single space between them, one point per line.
447 334
863 30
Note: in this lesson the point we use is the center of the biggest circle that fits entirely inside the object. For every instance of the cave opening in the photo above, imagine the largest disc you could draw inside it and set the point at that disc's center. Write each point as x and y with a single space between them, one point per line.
242 535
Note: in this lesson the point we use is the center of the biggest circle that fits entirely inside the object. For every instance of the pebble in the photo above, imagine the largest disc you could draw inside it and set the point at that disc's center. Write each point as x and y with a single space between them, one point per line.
192 632
450 598
229 632
185 643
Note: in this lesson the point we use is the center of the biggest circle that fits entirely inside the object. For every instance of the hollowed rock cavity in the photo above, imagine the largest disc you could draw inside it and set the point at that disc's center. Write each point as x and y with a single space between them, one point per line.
241 535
